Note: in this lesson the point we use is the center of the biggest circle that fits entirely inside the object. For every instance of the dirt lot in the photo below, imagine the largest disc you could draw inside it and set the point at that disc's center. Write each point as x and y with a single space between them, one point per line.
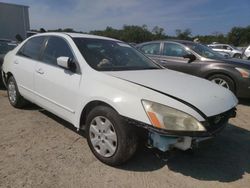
38 149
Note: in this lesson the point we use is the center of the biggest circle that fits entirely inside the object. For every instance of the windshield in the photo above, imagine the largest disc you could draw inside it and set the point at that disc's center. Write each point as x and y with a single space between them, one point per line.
204 51
5 47
108 55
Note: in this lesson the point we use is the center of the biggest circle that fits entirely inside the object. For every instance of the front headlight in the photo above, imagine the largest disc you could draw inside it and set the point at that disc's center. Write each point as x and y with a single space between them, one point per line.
171 119
245 73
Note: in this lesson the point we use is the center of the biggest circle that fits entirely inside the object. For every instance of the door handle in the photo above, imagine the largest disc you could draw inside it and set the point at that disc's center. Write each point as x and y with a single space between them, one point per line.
40 71
163 61
16 62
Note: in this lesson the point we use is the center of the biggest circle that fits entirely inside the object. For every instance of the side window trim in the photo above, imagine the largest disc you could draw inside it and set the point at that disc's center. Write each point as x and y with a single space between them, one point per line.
45 42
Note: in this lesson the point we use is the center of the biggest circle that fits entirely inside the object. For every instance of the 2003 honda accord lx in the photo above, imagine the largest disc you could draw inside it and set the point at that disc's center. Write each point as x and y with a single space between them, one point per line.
111 90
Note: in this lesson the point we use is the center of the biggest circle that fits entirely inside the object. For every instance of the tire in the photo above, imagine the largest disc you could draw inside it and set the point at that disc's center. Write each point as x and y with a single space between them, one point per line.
15 99
113 144
224 81
237 56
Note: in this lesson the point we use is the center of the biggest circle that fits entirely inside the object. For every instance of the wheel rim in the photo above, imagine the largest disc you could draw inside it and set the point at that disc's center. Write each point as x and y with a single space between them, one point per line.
103 136
221 82
12 92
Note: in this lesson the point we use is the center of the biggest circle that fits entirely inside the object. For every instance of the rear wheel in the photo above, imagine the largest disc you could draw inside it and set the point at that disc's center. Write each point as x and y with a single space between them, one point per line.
110 139
223 81
15 99
237 56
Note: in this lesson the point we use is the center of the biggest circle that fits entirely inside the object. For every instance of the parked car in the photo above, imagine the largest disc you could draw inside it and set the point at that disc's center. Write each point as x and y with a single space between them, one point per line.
199 60
246 53
5 46
225 48
114 92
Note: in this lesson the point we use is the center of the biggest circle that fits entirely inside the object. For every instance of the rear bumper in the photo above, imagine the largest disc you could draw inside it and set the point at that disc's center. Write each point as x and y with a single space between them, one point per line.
213 125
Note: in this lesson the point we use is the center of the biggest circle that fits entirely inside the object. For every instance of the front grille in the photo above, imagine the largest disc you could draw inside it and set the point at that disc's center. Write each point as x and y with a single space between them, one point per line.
218 122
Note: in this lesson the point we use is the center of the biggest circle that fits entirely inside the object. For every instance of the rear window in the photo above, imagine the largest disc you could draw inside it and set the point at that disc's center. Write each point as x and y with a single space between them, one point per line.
153 48
32 48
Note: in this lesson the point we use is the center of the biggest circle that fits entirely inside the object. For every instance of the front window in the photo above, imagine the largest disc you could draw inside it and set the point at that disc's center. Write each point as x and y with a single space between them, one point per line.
108 55
56 47
174 50
204 51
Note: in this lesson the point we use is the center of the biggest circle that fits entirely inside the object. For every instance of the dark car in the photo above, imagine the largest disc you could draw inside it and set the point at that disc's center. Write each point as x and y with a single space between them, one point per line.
199 60
5 46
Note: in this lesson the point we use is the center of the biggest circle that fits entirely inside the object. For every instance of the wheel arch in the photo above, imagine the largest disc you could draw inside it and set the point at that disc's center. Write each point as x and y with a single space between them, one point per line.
88 107
236 54
6 77
224 74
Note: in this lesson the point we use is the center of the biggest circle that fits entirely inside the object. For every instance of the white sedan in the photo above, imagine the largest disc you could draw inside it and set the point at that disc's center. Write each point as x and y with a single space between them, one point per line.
114 93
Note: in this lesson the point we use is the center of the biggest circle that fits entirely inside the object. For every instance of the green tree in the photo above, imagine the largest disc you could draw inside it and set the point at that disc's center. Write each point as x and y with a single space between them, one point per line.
184 35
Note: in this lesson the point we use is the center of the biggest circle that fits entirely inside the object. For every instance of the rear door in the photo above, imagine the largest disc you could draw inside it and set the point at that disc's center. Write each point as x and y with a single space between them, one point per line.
24 65
152 50
57 88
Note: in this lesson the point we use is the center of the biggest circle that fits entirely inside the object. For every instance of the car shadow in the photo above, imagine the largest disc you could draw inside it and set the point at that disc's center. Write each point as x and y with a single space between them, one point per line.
2 87
245 102
63 122
224 158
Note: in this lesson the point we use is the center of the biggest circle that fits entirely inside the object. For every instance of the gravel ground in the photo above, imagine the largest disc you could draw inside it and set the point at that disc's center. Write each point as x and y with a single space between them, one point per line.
38 149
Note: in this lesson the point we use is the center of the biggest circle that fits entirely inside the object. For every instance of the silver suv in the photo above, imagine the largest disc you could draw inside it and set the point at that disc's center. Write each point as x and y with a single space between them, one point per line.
225 48
246 53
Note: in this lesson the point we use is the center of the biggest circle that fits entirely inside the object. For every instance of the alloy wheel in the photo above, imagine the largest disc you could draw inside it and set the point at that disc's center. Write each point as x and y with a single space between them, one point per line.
12 92
221 82
103 136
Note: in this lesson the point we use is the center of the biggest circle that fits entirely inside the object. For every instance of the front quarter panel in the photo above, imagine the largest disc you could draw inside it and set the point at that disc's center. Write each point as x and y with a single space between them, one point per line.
124 97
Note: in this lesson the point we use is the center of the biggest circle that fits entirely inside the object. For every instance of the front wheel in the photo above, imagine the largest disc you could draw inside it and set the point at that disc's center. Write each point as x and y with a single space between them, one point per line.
110 139
223 81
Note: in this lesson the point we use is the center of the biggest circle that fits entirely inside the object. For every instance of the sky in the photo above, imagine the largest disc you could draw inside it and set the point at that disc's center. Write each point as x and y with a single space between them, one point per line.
201 16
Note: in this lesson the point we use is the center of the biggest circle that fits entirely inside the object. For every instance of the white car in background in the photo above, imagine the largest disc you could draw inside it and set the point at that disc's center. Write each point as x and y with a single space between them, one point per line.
114 92
246 53
226 49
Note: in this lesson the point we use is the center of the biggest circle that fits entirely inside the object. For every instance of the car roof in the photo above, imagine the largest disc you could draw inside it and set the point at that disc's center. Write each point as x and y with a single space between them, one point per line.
185 42
218 44
75 35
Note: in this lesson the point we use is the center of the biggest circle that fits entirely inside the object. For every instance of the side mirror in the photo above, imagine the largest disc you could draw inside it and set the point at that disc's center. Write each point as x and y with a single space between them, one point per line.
191 57
67 63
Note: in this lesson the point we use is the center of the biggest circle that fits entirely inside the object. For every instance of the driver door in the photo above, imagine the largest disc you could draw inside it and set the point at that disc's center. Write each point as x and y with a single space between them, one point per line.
57 88
172 58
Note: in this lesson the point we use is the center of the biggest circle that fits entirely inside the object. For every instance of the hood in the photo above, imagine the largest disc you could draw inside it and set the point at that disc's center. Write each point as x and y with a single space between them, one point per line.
208 97
237 62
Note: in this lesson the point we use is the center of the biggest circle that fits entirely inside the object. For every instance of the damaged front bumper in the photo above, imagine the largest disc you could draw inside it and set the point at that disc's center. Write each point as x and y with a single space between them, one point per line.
167 139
